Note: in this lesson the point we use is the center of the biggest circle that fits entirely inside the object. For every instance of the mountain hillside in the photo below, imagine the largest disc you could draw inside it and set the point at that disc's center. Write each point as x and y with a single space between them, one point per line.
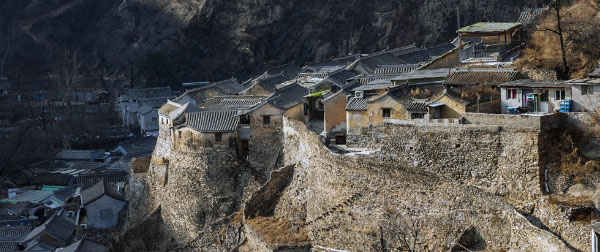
159 42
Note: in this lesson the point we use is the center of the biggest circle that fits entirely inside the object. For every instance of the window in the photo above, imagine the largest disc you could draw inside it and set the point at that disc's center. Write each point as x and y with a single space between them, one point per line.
560 94
154 120
386 112
511 93
106 214
544 95
417 116
218 137
179 133
266 120
587 90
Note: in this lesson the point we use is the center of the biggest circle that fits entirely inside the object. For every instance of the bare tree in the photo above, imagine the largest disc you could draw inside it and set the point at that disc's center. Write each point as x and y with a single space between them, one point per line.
403 231
557 6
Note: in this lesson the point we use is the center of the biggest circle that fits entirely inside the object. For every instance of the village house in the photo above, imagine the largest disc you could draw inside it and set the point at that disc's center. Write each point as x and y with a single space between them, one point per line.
326 68
145 98
147 118
267 83
56 232
535 95
201 129
103 204
585 94
197 96
477 77
335 108
453 102
489 42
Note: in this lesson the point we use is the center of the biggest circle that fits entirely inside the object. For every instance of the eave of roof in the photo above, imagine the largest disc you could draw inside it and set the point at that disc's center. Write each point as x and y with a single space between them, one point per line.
489 28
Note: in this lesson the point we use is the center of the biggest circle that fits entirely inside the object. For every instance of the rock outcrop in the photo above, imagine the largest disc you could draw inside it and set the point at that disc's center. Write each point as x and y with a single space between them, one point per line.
172 41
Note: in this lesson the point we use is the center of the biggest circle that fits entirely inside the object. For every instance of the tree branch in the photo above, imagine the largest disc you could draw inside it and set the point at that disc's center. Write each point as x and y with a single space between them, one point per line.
548 29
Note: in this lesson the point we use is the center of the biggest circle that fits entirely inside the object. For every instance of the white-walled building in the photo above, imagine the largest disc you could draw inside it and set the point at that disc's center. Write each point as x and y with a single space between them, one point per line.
546 95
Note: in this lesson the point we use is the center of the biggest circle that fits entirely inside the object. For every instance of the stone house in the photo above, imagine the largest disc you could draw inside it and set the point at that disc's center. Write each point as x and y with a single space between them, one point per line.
585 94
385 106
103 204
535 95
357 117
334 103
452 103
217 129
56 232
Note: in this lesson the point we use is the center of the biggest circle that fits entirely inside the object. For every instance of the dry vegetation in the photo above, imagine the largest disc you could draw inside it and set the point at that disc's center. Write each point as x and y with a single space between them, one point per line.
276 231
468 93
581 24
141 165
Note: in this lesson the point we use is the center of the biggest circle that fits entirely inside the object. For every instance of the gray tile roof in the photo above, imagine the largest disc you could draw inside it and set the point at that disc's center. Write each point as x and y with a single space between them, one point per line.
485 77
98 190
59 226
145 109
417 106
9 246
13 234
270 83
212 121
374 61
536 84
186 108
357 104
424 55
389 69
341 77
289 71
375 85
289 96
441 73
231 86
245 101
84 246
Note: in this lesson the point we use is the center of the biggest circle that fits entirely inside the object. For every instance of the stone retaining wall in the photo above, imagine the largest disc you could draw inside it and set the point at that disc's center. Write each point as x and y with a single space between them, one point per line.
363 204
503 161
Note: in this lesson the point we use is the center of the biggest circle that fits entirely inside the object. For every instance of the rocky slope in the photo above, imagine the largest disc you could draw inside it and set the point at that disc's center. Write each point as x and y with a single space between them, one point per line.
168 41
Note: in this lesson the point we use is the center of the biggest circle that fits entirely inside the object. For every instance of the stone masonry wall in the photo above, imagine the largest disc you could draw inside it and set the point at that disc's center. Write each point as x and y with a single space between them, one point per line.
363 203
503 161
